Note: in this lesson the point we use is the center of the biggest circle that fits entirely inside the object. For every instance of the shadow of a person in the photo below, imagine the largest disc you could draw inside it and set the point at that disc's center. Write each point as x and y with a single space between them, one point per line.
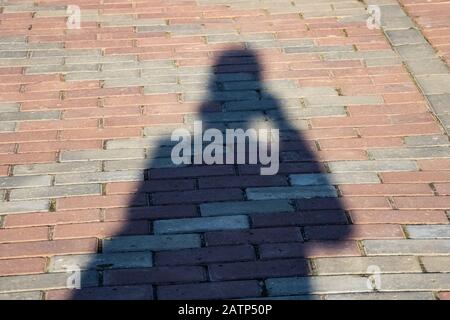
221 230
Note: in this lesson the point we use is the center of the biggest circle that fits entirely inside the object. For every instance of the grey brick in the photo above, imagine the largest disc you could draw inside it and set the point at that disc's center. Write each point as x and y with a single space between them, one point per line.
140 164
136 143
382 296
56 191
13 54
201 224
223 116
99 177
134 81
51 168
359 55
343 100
308 112
434 84
266 193
427 66
100 59
309 49
11 207
29 115
405 36
9 107
30 295
333 178
62 68
45 281
436 264
89 155
316 285
7 126
407 247
360 265
101 261
416 51
67 53
440 102
80 76
410 153
25 182
151 243
380 62
418 141
245 207
428 231
372 166
222 96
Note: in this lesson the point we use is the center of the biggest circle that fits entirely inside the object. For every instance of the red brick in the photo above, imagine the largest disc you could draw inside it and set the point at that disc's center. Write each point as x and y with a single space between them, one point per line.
400 130
24 234
415 177
398 217
57 125
60 145
17 137
434 164
359 232
25 158
4 170
22 266
7 148
385 189
108 133
354 121
51 218
111 201
407 108
360 143
48 248
141 121
442 188
442 202
445 295
100 229
140 100
101 112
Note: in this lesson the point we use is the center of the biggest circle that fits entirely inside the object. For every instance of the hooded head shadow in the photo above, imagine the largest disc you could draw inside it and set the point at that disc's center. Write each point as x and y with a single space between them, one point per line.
223 230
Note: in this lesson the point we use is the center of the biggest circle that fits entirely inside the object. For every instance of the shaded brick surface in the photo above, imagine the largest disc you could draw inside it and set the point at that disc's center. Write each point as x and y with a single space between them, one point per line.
86 178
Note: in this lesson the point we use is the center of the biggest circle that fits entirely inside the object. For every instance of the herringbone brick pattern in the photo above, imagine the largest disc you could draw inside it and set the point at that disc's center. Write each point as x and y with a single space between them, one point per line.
363 190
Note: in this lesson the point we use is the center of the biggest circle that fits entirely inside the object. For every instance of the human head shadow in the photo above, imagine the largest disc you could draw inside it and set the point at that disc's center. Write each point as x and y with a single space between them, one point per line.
278 239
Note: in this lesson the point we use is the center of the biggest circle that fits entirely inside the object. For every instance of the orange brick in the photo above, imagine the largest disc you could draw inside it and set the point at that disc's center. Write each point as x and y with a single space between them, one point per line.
415 177
385 189
398 216
110 201
25 158
22 266
47 248
51 218
442 202
24 234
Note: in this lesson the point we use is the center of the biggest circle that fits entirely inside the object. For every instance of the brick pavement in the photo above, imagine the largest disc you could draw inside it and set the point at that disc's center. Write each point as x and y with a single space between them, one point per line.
358 210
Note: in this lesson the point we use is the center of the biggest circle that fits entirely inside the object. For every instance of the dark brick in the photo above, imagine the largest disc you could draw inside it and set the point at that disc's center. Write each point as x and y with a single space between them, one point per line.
242 181
194 171
253 236
215 290
151 213
299 218
309 249
197 196
103 293
204 255
258 269
153 275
